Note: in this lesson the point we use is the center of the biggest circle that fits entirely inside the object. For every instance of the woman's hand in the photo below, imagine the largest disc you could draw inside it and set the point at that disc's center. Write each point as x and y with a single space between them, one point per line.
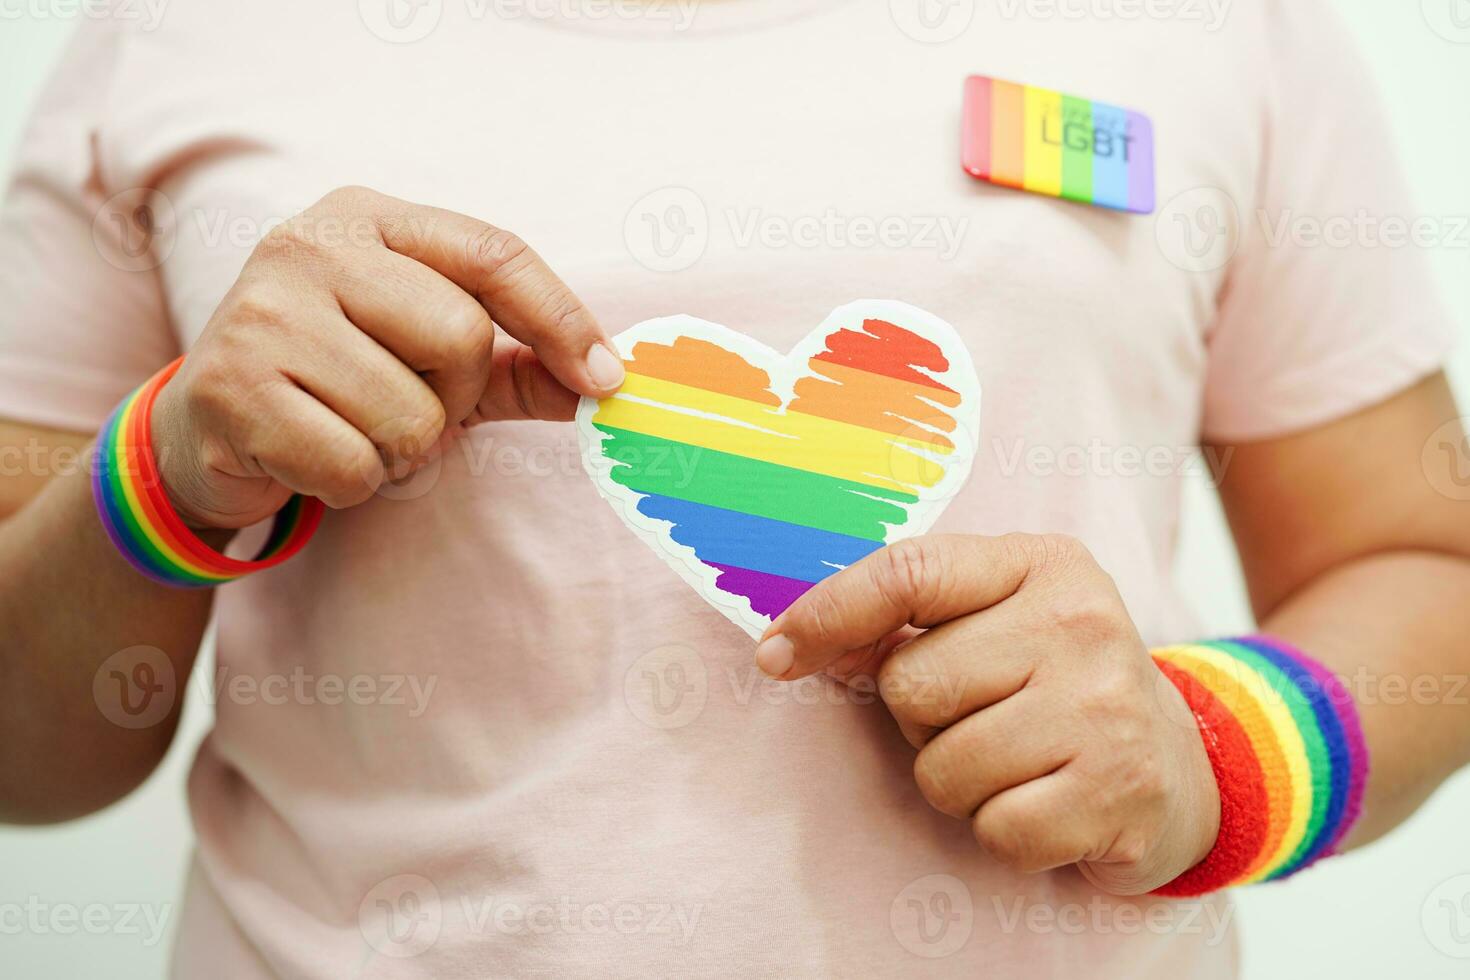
358 334
1037 711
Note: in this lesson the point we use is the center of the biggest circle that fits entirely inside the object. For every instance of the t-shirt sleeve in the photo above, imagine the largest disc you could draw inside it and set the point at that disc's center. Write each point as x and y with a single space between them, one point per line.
82 315
1329 305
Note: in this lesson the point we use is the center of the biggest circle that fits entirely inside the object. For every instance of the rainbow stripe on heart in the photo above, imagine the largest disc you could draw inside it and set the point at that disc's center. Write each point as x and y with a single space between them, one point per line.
776 499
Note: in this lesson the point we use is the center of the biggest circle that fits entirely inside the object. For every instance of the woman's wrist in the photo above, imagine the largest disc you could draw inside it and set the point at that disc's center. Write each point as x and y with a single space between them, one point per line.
1288 754
146 526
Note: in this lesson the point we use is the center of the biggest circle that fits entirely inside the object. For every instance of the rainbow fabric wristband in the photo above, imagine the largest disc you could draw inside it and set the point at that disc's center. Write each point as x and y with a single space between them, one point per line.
143 524
1284 738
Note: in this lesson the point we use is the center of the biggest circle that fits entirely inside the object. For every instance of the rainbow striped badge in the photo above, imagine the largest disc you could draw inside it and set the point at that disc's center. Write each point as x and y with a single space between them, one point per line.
754 475
1037 140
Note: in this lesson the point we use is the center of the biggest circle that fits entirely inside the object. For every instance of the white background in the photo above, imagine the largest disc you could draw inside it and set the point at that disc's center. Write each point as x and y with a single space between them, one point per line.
1375 913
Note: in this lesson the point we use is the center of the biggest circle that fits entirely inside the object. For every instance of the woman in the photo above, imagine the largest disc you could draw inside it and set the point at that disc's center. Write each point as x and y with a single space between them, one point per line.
476 728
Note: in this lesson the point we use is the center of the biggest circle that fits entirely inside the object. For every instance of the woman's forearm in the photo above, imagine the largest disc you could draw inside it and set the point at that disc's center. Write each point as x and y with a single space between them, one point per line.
80 726
1396 628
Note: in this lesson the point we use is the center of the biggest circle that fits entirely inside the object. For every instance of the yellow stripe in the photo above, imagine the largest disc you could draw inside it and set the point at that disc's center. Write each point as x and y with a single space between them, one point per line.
744 428
1043 159
126 478
1288 736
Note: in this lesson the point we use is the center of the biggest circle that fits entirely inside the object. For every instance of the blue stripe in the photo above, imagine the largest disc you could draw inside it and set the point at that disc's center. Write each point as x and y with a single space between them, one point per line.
1109 173
726 537
1337 749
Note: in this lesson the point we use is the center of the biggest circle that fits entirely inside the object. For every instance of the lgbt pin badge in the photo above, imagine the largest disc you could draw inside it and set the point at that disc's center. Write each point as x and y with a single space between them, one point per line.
1034 139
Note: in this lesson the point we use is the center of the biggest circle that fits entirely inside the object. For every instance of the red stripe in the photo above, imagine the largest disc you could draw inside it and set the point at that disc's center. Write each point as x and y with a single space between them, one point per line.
1243 801
149 486
142 473
975 127
883 348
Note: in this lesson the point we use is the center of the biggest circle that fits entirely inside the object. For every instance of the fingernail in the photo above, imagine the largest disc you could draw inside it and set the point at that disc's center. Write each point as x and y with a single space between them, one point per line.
604 368
775 656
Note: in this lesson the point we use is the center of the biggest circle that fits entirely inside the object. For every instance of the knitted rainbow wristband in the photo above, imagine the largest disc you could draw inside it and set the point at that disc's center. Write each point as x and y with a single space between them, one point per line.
143 524
1284 738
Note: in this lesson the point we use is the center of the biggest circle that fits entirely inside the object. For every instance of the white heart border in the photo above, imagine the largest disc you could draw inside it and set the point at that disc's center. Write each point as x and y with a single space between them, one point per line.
784 370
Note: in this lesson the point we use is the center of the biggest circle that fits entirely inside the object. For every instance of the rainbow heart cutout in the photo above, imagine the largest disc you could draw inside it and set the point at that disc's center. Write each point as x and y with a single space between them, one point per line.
756 474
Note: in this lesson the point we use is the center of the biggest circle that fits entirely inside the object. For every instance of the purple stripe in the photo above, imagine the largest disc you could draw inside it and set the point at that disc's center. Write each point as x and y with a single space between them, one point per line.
769 595
1141 164
1347 713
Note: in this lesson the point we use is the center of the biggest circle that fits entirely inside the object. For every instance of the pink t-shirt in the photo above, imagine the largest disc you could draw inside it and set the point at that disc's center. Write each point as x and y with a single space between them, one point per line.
478 729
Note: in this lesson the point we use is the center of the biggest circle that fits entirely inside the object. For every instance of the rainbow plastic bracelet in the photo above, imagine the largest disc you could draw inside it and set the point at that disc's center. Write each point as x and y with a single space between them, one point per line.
143 524
1287 747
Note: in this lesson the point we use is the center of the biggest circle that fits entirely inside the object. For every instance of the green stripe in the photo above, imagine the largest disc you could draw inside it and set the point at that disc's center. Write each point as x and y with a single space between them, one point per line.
750 486
1306 719
288 519
1076 164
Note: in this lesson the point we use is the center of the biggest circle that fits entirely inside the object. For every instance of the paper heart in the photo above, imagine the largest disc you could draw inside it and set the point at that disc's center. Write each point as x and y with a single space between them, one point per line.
756 474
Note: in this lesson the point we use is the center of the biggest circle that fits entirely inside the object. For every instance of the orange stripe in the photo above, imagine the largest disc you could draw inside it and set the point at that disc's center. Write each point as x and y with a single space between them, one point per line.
701 364
875 401
1007 134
